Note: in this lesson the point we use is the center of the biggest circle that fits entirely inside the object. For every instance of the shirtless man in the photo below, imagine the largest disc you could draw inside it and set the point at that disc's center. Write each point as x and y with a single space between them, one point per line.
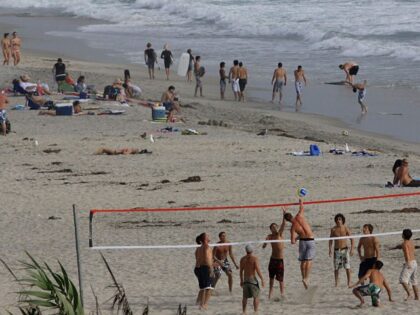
371 254
234 79
279 79
3 114
360 88
351 69
220 254
15 44
374 288
198 75
341 251
402 176
249 266
205 274
276 264
5 47
299 80
300 227
409 272
243 79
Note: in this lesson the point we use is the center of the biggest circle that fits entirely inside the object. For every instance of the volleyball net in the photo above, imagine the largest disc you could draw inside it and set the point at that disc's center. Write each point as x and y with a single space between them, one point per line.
176 228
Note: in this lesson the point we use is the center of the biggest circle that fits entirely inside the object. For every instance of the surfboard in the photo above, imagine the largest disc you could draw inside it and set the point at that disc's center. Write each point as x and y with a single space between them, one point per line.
184 60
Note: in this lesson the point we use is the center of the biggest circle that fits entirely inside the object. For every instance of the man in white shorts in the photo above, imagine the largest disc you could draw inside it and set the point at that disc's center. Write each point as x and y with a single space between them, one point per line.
409 271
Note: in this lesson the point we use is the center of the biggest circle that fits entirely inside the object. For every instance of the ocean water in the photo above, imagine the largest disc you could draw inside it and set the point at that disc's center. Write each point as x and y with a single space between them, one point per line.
382 36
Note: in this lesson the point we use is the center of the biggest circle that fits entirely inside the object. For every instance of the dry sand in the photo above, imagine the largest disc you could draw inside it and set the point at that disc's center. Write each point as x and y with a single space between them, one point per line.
236 167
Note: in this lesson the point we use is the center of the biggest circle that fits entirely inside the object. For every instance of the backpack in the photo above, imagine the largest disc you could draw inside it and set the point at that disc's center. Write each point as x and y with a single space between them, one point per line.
111 92
314 150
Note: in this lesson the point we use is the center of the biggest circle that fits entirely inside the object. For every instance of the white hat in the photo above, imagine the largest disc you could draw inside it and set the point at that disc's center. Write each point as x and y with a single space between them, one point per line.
249 249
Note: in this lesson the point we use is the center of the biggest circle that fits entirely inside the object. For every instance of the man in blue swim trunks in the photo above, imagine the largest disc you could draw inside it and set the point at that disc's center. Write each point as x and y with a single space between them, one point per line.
360 88
220 255
301 228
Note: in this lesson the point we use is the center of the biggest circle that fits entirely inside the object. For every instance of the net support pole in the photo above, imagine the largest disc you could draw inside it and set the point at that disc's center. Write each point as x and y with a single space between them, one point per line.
79 265
91 213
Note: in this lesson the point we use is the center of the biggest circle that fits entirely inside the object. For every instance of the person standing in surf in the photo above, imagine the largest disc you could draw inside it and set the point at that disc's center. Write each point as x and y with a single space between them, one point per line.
150 59
190 65
199 73
278 81
243 80
223 77
300 79
16 44
234 79
168 59
5 47
351 69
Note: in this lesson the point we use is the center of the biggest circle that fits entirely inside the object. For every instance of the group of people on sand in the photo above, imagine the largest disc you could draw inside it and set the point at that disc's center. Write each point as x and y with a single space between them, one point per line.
211 262
11 48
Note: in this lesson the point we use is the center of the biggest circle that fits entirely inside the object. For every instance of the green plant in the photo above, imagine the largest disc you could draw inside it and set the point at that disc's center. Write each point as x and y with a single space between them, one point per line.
44 289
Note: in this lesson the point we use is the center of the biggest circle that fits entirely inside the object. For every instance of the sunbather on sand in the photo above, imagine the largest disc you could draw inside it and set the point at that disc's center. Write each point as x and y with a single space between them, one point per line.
124 151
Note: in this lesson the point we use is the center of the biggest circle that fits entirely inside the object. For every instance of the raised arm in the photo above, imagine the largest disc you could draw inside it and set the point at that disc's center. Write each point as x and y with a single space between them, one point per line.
283 223
301 209
362 279
265 244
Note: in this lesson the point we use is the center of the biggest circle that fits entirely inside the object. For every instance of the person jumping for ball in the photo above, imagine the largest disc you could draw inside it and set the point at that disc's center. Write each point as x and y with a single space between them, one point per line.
300 227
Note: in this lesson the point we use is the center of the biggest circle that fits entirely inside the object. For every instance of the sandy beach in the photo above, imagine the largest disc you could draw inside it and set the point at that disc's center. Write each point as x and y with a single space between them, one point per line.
235 166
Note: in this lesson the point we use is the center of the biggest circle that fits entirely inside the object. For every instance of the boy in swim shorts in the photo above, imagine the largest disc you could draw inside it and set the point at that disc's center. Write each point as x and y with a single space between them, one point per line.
341 251
409 271
374 288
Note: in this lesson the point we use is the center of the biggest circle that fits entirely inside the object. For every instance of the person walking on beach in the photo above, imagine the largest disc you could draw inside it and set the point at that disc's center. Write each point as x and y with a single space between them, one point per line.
409 271
5 47
249 266
301 228
350 68
243 79
371 253
168 59
234 78
360 88
377 283
15 44
59 71
403 177
278 81
190 65
220 255
3 114
300 79
150 59
199 73
276 264
341 251
204 262
223 77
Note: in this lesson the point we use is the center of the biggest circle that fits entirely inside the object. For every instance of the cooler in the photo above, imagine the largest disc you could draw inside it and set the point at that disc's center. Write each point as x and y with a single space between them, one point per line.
159 113
65 109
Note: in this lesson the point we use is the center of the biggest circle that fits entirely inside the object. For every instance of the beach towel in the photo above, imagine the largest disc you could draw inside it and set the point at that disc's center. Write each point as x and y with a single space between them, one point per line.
112 112
363 153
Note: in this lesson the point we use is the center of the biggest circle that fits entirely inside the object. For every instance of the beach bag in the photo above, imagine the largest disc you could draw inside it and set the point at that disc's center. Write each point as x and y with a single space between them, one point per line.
8 127
314 150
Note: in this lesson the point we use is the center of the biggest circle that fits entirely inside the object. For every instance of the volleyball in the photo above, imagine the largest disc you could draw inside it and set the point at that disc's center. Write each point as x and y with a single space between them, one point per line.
302 192
345 133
